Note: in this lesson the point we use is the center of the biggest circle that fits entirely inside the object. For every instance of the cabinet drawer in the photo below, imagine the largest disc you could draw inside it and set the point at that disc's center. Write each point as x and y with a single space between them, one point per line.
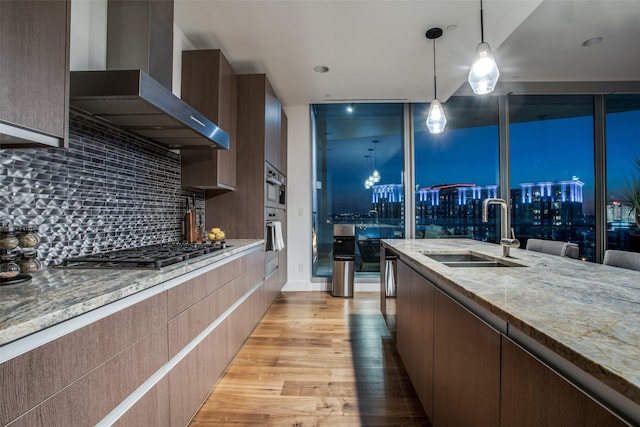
34 376
89 399
193 290
150 411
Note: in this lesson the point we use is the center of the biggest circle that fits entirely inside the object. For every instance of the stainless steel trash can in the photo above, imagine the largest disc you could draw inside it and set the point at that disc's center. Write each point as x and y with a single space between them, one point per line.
390 275
343 273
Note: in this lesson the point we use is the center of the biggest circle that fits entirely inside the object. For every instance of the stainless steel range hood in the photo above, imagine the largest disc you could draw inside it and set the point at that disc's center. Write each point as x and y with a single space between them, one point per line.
129 93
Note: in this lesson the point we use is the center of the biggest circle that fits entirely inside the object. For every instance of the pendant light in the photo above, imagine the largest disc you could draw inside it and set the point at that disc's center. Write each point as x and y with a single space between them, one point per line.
436 120
484 72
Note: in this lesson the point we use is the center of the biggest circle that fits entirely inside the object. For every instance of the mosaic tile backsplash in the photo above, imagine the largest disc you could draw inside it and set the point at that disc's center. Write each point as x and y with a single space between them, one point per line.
108 190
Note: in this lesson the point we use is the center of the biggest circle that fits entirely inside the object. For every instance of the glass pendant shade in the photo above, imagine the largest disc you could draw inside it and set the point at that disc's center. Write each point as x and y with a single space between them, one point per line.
436 120
376 176
484 72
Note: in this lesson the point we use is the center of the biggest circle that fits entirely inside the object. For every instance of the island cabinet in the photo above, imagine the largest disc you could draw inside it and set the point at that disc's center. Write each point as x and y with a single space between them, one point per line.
34 73
468 372
415 332
151 363
534 395
210 85
451 356
466 365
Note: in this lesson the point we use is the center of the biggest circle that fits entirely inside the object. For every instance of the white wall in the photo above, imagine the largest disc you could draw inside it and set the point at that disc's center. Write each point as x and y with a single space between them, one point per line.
298 200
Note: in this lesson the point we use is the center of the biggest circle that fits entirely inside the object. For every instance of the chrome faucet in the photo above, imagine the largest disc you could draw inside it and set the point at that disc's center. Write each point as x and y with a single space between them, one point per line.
505 241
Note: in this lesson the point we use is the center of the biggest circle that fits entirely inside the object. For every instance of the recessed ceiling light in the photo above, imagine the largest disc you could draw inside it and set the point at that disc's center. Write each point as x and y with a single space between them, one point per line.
592 41
320 69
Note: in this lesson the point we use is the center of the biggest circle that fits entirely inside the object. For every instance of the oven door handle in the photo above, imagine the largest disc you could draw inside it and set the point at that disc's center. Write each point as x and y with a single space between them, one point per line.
272 180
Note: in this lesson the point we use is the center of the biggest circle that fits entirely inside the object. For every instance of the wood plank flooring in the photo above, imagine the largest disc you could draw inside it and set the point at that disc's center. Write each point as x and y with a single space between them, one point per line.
316 360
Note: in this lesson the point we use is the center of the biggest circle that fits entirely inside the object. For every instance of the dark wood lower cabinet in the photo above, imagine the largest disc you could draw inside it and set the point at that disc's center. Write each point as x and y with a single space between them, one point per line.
534 395
466 365
151 410
422 301
466 373
403 319
78 379
415 332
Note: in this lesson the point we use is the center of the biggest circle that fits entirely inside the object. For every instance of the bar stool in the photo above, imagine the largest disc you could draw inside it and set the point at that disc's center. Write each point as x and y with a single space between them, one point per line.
623 259
552 247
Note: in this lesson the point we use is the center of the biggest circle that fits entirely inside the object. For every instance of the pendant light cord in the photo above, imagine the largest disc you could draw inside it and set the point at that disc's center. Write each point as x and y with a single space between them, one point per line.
435 87
481 23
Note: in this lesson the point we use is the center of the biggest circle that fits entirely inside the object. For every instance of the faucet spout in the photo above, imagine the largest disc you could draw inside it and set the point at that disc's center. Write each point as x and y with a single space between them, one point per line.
506 241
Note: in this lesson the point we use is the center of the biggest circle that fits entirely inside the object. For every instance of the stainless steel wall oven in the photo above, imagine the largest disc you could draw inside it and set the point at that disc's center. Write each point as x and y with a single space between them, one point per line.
275 188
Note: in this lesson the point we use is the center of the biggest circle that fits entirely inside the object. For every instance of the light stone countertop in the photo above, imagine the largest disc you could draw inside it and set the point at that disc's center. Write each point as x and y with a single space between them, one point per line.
587 313
56 294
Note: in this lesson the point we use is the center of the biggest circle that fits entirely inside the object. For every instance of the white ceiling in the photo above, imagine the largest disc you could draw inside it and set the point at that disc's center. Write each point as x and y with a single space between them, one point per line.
377 50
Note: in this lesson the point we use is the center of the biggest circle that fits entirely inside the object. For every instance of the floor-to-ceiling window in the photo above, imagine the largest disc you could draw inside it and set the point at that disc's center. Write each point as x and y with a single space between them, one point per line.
457 169
623 171
358 179
548 169
552 169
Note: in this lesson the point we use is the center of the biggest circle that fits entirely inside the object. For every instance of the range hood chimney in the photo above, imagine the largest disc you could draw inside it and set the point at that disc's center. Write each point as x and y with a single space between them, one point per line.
134 92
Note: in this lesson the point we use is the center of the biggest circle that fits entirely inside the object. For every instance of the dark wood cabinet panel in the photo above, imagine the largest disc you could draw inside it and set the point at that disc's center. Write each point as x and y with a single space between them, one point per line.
534 395
466 385
34 66
196 374
284 141
89 399
78 379
272 128
403 319
209 84
33 377
150 411
415 331
181 297
422 296
241 213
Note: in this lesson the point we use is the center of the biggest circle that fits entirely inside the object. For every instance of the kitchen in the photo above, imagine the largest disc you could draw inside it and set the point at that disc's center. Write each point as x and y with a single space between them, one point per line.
80 239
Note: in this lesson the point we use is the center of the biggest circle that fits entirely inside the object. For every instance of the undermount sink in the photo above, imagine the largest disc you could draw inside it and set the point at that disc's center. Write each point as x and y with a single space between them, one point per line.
470 259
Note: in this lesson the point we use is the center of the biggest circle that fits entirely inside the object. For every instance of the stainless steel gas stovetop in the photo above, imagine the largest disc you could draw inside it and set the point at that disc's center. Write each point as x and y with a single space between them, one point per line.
152 256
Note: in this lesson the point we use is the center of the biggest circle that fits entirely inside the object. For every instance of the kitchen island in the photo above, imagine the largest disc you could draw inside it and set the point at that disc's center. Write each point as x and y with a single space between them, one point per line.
127 347
577 321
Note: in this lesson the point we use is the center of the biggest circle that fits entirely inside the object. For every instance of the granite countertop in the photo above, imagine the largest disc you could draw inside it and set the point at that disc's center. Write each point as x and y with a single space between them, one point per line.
587 313
54 294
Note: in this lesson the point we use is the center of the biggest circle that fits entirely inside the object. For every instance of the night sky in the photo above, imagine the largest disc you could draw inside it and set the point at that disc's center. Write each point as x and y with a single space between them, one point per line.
544 150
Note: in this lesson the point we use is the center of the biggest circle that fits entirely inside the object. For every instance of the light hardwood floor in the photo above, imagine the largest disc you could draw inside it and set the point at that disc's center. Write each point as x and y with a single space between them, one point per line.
316 360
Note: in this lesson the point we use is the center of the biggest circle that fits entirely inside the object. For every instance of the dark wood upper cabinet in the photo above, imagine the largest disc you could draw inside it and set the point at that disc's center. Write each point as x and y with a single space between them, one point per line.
210 85
34 73
283 141
273 128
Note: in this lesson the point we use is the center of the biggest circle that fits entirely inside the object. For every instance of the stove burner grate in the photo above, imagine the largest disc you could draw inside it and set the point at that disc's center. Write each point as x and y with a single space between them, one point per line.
151 256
